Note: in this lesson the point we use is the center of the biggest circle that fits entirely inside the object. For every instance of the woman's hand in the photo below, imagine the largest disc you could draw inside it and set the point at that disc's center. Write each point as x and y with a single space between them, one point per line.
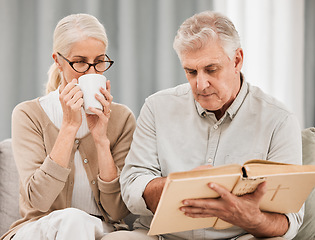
98 122
71 99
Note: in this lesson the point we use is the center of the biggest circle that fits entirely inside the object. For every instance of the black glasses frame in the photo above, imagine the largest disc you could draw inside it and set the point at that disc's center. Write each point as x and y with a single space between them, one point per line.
111 62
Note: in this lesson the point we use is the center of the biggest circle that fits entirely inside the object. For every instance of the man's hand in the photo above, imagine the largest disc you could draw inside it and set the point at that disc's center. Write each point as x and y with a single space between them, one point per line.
240 211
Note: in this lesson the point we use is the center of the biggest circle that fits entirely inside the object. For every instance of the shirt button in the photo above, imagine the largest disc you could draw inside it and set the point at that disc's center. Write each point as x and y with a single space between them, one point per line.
215 126
77 141
210 160
85 160
93 182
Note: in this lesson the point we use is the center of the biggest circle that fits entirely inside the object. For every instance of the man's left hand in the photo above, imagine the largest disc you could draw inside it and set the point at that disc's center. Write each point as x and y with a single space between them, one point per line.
241 211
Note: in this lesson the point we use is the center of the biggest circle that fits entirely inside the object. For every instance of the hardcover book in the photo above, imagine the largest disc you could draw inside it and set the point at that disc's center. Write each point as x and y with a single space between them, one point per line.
288 187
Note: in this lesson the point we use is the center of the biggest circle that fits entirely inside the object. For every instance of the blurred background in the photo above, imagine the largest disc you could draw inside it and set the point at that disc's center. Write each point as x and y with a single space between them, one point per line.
278 38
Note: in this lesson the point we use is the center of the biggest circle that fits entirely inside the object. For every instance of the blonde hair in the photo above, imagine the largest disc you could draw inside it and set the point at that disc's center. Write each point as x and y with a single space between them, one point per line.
198 30
69 30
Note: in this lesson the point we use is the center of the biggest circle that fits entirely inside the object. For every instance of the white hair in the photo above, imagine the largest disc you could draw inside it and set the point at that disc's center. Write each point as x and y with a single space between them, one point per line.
200 29
71 29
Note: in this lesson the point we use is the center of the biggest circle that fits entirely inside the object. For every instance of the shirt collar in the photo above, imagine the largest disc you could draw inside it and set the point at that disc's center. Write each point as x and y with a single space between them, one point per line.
232 110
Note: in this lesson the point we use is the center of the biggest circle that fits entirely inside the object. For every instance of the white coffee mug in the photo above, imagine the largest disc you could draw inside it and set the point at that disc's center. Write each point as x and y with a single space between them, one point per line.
90 85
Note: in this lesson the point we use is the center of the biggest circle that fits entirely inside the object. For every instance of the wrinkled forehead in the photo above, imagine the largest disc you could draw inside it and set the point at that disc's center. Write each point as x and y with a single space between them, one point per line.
211 53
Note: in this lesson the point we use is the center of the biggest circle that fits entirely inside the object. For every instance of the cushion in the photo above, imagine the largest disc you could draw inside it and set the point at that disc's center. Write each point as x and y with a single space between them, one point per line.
307 229
9 184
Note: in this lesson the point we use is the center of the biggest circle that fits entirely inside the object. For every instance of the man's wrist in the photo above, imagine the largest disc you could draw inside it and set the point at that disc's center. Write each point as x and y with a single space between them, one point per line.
269 225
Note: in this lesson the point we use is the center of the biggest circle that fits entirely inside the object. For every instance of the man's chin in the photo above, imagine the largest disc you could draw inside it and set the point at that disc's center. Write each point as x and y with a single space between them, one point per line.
207 106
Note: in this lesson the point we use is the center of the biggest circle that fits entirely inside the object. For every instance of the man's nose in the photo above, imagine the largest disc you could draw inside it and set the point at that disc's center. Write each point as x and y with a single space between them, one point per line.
202 82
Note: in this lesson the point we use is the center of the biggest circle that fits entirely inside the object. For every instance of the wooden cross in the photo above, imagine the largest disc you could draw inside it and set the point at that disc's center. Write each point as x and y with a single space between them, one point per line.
276 191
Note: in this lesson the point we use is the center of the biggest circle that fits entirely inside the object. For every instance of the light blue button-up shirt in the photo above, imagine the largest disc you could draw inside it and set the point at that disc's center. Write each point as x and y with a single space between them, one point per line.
174 133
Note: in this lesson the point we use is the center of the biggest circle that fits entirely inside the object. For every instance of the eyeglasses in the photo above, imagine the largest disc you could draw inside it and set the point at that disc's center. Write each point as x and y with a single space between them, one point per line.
82 67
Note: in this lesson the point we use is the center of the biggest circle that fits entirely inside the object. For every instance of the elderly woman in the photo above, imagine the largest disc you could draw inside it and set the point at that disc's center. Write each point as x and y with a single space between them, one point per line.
69 162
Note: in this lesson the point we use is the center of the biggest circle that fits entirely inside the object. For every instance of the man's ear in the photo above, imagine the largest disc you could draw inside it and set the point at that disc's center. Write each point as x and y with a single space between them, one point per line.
55 57
238 59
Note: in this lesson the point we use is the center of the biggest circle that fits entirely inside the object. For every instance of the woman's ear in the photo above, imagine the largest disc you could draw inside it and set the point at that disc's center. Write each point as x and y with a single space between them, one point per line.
55 57
238 60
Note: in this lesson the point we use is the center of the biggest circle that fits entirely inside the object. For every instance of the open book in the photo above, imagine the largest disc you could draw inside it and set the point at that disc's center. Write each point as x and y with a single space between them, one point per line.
288 187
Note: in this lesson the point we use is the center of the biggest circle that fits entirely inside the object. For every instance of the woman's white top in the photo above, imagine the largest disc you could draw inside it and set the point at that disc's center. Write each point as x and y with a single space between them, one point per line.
82 196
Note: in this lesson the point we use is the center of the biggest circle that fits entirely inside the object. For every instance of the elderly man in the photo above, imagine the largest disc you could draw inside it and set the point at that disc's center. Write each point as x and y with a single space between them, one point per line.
216 119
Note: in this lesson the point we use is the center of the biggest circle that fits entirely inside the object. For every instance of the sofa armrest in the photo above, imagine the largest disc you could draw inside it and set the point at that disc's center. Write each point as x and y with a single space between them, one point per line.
9 187
307 231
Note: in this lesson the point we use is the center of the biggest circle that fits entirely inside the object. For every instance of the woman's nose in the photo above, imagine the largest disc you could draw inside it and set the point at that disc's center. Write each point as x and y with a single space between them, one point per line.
91 70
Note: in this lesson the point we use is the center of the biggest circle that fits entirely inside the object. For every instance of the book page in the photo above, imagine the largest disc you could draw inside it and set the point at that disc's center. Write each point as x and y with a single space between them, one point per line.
247 185
211 171
255 168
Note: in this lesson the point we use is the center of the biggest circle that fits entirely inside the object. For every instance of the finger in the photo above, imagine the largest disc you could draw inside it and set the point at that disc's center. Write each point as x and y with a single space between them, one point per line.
66 90
197 215
260 191
204 203
97 112
70 85
107 114
74 94
102 100
223 193
192 205
76 101
108 87
196 212
106 94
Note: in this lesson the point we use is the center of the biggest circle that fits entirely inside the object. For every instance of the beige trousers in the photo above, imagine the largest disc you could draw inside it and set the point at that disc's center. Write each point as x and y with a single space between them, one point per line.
138 234
251 237
141 234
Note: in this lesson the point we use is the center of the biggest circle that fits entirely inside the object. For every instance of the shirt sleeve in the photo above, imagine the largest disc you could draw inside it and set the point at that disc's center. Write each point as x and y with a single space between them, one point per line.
286 146
295 221
141 163
110 194
36 170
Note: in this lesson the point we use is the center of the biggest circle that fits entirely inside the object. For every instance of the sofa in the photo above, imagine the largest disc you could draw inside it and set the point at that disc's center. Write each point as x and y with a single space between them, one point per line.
9 189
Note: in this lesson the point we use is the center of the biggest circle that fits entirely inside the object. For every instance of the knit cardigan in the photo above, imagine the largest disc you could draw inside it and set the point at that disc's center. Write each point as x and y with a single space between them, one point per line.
45 186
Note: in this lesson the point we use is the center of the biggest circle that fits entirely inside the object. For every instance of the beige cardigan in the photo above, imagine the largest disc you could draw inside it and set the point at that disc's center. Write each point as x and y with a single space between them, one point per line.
44 185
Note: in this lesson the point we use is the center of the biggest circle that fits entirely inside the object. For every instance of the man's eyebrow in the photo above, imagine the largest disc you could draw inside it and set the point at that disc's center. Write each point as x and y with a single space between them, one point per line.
189 69
212 65
208 66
